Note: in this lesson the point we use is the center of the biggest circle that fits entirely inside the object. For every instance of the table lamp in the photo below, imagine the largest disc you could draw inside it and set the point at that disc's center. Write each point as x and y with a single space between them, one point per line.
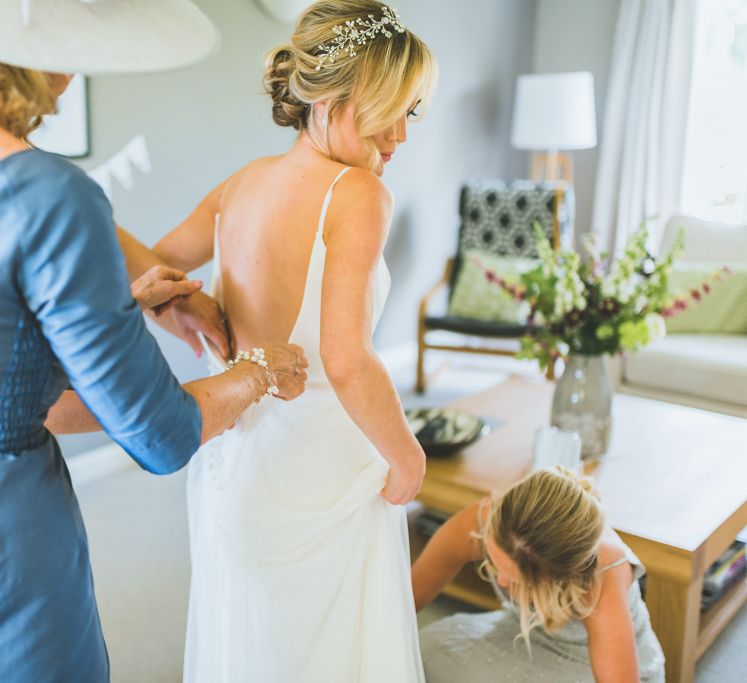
554 113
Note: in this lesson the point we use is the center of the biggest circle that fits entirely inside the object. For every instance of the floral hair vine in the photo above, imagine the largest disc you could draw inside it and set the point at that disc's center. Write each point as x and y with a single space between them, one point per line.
354 33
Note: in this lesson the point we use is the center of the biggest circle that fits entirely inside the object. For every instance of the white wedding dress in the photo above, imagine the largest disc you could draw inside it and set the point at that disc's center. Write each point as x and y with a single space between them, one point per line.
300 569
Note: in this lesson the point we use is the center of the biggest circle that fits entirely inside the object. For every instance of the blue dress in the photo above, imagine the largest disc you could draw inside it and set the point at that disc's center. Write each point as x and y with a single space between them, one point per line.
67 319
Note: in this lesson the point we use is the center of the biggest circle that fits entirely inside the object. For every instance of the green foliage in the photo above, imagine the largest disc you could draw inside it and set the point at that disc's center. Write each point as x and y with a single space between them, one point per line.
579 306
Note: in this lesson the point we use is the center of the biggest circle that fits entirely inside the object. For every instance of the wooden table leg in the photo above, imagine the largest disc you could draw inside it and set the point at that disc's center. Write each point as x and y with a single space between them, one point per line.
674 606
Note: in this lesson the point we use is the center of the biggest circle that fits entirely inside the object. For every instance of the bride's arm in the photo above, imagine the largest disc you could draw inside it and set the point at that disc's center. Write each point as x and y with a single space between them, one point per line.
190 244
358 222
200 313
69 415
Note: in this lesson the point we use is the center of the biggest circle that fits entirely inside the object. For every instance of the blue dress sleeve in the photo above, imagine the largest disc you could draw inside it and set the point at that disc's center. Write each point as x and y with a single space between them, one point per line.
73 278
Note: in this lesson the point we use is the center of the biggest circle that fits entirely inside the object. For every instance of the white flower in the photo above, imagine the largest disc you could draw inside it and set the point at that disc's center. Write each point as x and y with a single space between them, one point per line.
522 312
657 328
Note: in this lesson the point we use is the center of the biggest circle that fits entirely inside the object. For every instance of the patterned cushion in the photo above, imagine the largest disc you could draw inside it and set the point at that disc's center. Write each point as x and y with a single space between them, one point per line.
499 217
477 298
723 311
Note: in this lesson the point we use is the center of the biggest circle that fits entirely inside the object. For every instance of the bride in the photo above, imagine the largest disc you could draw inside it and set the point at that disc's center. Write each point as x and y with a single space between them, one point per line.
300 558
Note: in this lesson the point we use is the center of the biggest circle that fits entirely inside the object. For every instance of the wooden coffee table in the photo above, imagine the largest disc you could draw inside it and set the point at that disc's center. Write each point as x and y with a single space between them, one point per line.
674 485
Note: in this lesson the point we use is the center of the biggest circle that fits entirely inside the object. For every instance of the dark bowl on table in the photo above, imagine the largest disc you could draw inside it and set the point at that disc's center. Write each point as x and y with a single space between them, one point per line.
444 431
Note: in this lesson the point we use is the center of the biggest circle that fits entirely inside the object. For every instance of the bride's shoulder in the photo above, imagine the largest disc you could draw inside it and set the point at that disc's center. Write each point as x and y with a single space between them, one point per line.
362 187
361 209
258 165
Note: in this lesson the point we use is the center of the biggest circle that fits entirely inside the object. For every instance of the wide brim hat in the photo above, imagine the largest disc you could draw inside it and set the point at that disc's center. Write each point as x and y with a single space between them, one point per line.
104 36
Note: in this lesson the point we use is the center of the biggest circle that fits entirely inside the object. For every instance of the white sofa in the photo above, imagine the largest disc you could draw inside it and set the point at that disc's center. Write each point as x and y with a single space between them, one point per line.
702 370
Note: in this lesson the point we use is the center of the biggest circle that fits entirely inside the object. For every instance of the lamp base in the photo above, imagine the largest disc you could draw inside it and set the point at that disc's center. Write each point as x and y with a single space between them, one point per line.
552 166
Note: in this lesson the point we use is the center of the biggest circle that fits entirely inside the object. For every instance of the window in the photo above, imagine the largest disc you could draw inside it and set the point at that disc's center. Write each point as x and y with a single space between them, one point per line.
715 174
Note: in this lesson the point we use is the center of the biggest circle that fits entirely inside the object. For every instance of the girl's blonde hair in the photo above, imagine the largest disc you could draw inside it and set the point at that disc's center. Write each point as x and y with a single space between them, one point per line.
25 97
550 524
384 78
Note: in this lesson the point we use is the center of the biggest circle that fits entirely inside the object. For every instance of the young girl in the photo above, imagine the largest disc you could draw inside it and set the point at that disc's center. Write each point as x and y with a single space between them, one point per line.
568 583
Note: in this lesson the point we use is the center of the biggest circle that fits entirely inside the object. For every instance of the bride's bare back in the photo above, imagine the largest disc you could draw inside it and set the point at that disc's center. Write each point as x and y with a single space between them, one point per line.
269 215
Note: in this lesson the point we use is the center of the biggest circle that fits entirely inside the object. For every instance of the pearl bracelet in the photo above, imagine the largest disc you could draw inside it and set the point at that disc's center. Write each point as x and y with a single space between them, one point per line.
257 356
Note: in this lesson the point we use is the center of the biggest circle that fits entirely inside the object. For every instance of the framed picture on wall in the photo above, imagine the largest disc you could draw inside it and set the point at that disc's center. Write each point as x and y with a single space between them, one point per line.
67 132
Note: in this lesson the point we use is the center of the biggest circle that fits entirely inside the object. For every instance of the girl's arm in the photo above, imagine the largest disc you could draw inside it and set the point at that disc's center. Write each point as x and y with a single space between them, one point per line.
612 646
358 222
451 547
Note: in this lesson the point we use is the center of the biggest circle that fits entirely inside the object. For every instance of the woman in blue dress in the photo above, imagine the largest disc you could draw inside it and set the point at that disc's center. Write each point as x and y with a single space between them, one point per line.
68 319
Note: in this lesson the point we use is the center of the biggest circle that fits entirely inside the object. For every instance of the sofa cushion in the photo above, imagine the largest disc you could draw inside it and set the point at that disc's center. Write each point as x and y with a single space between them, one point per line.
706 366
722 311
707 240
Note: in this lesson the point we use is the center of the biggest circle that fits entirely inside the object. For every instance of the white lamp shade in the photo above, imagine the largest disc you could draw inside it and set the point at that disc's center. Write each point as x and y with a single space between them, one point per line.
554 112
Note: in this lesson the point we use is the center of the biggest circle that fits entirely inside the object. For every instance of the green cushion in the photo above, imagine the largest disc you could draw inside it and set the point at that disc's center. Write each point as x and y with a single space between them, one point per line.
723 311
477 298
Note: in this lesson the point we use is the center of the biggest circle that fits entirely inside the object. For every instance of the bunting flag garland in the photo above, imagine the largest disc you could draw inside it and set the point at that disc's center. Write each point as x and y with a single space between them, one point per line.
120 166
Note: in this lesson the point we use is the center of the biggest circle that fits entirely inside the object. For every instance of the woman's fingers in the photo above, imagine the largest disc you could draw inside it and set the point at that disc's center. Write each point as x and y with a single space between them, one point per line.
288 364
168 292
160 286
201 313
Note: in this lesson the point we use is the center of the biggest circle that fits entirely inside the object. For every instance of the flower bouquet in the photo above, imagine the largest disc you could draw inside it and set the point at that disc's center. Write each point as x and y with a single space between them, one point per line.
582 307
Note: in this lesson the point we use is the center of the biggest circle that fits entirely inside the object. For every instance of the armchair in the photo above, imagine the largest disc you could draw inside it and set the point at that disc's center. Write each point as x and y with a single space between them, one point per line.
497 219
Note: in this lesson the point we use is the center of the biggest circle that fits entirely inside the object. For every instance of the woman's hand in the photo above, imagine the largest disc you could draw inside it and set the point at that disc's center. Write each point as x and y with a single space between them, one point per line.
161 287
287 363
199 313
404 480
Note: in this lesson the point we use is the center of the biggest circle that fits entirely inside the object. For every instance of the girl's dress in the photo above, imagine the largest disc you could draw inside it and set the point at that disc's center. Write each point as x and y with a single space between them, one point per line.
483 648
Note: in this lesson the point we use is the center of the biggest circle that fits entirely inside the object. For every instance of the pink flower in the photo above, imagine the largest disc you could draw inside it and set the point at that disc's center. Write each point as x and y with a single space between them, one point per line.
695 294
680 305
706 288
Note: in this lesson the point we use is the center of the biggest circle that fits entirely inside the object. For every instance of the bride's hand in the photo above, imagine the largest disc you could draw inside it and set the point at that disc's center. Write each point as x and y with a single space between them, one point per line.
404 480
287 363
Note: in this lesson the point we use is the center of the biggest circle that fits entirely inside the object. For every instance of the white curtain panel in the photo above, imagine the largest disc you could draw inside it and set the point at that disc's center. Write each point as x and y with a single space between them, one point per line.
645 121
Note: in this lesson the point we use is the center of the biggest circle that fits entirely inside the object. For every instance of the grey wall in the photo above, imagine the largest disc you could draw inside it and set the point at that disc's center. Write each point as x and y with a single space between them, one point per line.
577 35
203 123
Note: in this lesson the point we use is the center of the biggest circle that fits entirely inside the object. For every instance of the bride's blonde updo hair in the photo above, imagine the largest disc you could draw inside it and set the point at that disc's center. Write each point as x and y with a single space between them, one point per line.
550 524
25 97
383 78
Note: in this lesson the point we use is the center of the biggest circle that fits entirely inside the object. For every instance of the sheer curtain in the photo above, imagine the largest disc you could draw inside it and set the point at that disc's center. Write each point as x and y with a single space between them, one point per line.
645 123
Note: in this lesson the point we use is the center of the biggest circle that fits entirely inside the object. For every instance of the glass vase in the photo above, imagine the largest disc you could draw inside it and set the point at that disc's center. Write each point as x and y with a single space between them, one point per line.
583 403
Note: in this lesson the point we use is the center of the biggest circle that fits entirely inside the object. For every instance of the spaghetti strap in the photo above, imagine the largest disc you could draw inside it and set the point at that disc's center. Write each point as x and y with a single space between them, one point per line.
616 563
328 199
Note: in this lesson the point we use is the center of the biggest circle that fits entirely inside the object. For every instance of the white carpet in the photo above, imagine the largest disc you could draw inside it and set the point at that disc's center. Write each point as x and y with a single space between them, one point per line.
138 536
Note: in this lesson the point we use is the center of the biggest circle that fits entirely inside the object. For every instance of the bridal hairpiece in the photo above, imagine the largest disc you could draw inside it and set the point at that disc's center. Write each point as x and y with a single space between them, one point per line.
358 32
